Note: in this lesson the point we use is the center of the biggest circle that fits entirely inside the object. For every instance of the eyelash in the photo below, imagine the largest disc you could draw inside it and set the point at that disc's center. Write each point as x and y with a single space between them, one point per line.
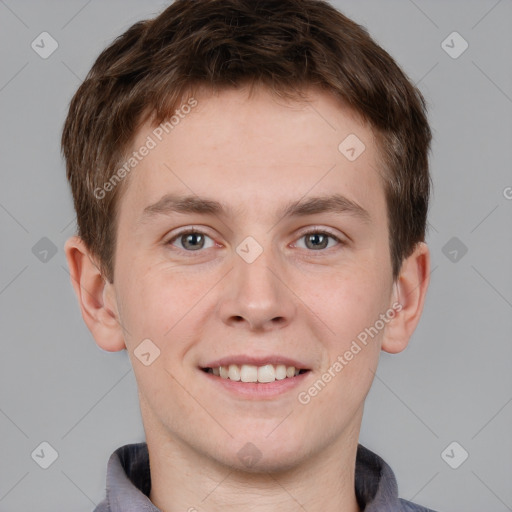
317 231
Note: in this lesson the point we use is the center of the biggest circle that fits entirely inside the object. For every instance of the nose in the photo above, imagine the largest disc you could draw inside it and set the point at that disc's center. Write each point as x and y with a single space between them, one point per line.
256 295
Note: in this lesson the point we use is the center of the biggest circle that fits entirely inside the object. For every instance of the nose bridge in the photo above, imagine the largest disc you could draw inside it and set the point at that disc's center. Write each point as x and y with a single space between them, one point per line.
255 276
254 293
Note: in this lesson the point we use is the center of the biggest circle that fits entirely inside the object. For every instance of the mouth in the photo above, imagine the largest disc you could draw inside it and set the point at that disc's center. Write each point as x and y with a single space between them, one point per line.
250 373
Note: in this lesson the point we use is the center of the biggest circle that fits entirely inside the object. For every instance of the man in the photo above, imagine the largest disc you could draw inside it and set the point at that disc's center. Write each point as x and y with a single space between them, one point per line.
251 185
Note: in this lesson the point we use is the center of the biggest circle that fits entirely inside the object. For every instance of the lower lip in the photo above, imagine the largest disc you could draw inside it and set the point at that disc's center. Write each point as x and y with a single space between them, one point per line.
257 390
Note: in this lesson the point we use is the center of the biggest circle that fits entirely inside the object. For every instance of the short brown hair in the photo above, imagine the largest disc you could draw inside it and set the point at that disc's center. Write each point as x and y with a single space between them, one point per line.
287 45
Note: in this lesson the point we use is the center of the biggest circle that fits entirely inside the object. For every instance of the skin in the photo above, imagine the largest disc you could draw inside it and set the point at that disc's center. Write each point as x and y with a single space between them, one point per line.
298 299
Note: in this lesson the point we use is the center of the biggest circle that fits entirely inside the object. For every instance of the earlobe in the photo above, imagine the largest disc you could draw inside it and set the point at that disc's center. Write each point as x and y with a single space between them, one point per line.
409 291
95 296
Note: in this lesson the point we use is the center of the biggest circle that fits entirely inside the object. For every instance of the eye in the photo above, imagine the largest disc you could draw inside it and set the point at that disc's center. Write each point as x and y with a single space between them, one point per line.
191 241
318 240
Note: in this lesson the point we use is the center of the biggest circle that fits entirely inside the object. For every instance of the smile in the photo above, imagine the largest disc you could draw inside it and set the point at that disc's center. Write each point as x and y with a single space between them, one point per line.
251 373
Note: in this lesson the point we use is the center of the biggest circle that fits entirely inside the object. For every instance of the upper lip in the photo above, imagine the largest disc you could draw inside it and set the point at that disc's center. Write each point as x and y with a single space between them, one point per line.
256 361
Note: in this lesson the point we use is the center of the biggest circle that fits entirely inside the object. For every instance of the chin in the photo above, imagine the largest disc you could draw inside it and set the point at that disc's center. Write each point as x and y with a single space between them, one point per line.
260 454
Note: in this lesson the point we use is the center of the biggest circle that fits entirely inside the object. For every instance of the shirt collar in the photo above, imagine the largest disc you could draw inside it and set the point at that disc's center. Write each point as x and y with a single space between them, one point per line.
129 482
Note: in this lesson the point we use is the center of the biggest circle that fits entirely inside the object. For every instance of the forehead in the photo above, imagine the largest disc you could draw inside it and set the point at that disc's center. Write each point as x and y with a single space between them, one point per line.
257 150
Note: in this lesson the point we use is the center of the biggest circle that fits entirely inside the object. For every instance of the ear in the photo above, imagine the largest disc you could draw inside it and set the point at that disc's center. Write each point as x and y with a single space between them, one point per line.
409 292
96 296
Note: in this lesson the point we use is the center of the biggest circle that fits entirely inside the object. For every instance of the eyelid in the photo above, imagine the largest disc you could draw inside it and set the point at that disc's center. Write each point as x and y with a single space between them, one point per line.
186 230
189 229
342 239
318 229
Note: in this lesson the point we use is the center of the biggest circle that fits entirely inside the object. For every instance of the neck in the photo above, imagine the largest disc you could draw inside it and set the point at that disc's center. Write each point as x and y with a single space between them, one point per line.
184 480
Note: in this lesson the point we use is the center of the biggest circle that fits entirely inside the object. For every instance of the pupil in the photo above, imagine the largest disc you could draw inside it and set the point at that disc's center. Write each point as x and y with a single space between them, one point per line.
191 240
319 239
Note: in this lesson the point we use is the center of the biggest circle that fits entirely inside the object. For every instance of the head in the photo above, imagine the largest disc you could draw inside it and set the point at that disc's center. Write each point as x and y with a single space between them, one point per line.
228 119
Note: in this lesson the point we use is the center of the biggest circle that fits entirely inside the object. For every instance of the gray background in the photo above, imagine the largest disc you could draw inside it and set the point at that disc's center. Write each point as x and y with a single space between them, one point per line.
453 383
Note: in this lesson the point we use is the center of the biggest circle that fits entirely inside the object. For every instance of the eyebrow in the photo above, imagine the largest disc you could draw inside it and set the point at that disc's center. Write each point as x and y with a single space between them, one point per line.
335 203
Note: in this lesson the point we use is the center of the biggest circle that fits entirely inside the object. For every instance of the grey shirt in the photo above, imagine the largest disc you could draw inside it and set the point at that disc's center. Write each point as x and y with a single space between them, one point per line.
129 483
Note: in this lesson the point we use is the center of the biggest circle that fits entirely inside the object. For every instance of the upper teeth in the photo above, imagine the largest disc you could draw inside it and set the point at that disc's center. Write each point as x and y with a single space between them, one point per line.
251 373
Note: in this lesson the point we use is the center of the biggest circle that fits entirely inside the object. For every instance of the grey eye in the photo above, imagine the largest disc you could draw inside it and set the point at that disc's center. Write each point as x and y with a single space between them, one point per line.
318 240
191 241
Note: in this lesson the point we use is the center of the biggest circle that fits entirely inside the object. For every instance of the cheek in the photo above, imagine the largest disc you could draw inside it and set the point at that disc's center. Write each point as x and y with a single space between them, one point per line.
352 350
164 305
350 302
152 303
157 307
351 305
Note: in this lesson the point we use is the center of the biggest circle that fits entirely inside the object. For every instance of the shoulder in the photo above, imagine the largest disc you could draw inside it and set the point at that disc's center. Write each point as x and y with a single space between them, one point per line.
408 506
376 485
102 507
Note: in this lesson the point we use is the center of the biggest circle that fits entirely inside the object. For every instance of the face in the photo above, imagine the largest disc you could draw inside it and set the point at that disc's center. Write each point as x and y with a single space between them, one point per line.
248 240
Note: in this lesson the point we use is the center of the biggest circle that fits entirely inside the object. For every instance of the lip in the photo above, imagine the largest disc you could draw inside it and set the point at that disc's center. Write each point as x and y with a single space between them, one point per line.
256 390
256 361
